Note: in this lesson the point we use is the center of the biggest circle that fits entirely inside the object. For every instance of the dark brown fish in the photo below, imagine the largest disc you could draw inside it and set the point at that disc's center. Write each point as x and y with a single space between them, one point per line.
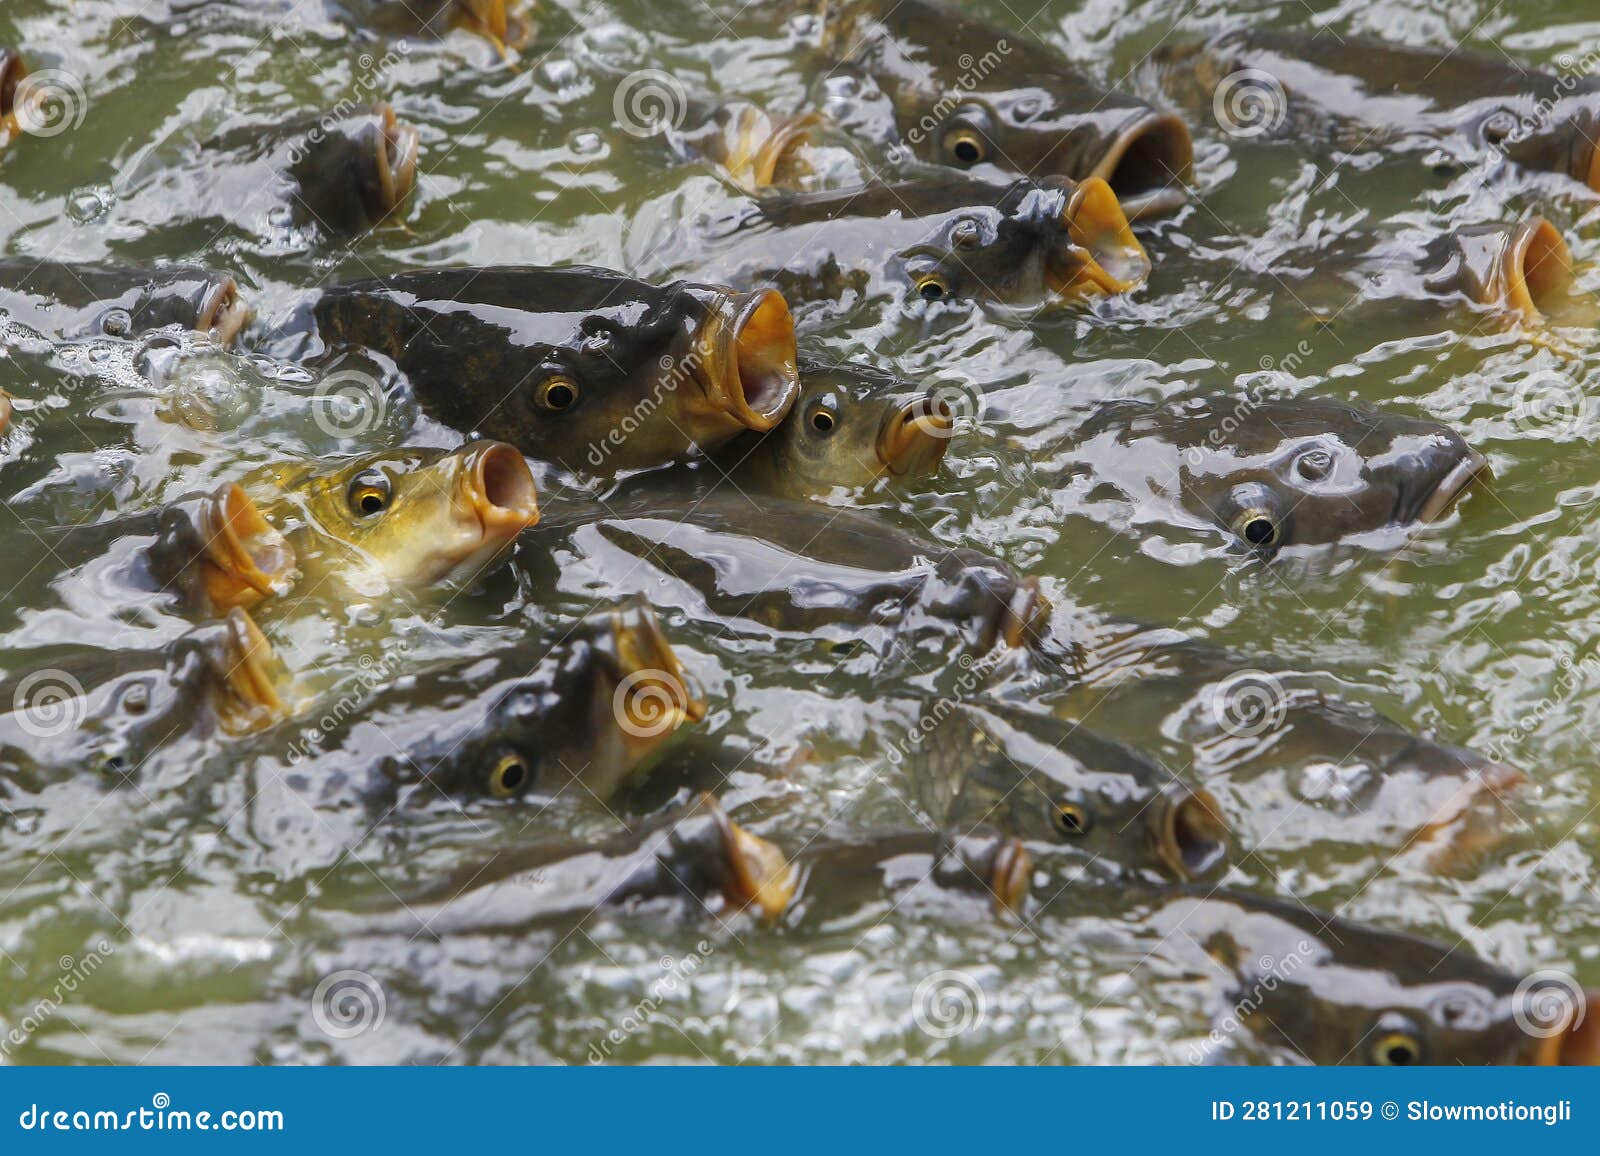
965 92
1318 989
1359 93
108 713
1271 474
754 149
580 367
65 302
501 22
945 237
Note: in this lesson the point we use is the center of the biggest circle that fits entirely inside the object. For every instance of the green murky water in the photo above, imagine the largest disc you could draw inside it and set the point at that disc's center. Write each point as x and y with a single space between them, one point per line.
205 891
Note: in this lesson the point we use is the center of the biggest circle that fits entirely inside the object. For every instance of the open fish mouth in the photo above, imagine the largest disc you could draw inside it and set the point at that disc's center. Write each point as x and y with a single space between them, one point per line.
1024 616
759 873
1443 496
246 558
744 357
496 20
759 150
1148 165
223 313
654 696
1103 255
1535 266
1011 876
396 146
497 486
1574 1042
12 70
252 679
1192 838
5 410
914 438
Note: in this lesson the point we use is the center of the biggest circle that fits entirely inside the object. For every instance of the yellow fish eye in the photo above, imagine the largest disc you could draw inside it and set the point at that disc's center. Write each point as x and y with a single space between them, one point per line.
965 146
369 493
558 393
509 776
933 287
1258 528
1397 1049
1070 820
824 417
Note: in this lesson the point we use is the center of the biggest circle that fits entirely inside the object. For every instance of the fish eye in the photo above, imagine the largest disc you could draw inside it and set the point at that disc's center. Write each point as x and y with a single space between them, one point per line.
509 776
965 146
932 287
558 393
1070 820
369 493
116 323
824 416
965 235
1314 465
1258 528
1397 1049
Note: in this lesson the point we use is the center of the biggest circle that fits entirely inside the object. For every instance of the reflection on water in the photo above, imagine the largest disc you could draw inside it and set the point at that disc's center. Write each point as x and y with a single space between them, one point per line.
215 899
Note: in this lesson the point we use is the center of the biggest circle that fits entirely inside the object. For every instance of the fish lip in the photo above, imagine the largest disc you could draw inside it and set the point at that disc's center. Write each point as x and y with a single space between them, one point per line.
246 558
396 148
1439 500
1453 839
1591 176
1103 255
1577 1043
253 675
757 168
654 689
1192 837
760 873
1025 614
223 314
746 360
1534 264
1155 140
914 437
496 483
1011 876
5 410
12 71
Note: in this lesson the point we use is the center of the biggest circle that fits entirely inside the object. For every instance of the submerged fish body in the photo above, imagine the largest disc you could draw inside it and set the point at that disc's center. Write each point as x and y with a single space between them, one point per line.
852 428
70 302
1057 785
965 92
404 518
949 237
1361 93
582 368
106 714
1298 767
1270 474
796 571
1323 990
692 862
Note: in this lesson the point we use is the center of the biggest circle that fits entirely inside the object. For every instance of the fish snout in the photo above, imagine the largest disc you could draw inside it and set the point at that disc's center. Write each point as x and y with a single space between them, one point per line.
655 695
746 360
397 146
12 70
759 873
1010 876
251 678
1565 1023
914 437
1454 472
1095 251
223 313
5 410
1149 162
246 558
1535 267
498 486
1192 838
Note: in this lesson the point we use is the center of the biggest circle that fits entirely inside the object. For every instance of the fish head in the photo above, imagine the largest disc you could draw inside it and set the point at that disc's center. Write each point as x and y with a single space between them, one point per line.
850 430
413 517
1525 269
1311 473
385 161
1567 141
1038 243
603 698
1047 125
245 559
